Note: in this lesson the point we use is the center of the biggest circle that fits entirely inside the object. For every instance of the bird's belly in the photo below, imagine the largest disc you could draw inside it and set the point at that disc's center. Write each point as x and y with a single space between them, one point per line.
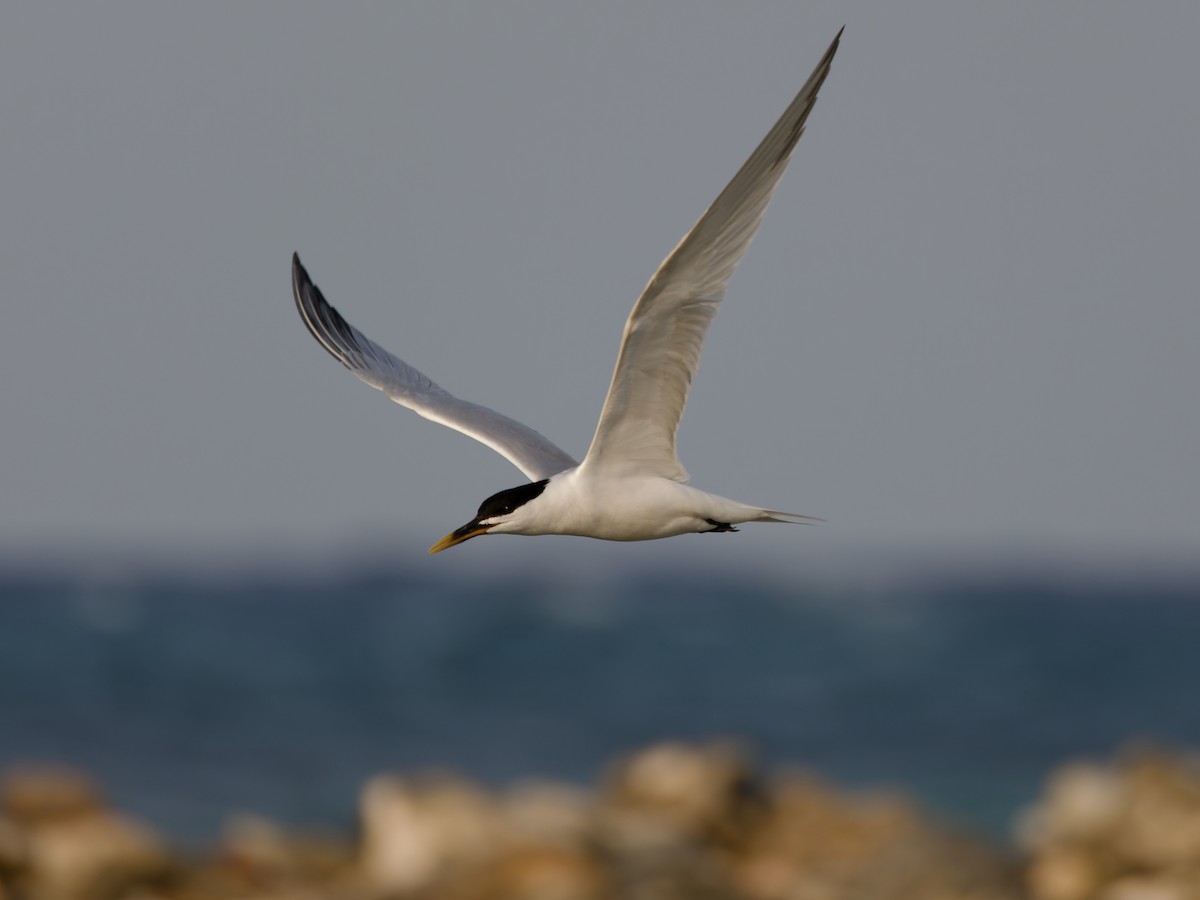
633 510
637 530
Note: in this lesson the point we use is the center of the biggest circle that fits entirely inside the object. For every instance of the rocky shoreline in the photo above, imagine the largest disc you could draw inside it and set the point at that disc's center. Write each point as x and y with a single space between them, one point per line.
673 822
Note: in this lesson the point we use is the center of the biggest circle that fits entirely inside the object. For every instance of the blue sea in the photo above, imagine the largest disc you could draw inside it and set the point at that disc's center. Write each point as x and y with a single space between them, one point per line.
192 697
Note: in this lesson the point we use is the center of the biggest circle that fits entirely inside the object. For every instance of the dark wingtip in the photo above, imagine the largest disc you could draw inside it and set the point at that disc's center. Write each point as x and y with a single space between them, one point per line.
833 48
302 284
323 321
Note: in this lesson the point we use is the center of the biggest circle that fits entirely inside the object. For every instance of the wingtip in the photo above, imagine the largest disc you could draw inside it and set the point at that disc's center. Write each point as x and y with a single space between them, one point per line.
301 281
834 44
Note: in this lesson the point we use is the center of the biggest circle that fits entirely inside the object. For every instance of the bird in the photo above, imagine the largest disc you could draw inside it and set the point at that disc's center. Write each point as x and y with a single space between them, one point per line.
630 485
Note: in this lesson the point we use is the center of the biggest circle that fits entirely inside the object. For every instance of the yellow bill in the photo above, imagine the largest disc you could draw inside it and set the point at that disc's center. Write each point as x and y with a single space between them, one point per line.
468 531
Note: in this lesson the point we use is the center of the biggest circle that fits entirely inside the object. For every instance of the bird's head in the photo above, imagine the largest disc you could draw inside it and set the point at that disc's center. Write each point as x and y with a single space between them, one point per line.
500 512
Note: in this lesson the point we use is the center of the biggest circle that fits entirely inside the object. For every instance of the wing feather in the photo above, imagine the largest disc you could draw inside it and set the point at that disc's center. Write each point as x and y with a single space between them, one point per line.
660 349
529 451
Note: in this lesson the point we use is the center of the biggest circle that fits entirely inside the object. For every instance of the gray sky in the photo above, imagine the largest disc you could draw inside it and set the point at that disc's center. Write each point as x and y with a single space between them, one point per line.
968 325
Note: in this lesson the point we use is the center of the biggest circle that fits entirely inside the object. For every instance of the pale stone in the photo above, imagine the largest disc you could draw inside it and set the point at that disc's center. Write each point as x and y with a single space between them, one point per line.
31 794
1148 888
1082 801
547 813
535 873
13 848
72 857
1062 875
671 795
414 831
1130 831
257 841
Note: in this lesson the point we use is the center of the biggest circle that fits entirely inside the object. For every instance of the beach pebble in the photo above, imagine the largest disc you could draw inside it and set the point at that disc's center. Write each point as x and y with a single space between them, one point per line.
415 830
1125 831
533 872
1147 888
1063 873
673 794
260 859
96 854
35 794
819 842
546 813
257 843
13 849
1082 801
70 845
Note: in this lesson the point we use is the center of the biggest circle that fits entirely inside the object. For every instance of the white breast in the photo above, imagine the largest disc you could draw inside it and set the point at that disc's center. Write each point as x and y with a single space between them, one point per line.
634 508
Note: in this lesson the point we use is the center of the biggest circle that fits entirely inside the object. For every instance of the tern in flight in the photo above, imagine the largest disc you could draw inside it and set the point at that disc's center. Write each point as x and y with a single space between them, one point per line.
630 485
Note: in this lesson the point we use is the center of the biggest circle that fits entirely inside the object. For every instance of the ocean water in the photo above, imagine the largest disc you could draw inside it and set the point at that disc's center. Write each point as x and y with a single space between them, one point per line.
192 698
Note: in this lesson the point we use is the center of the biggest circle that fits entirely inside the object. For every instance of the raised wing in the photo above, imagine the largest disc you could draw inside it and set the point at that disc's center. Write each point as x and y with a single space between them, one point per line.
660 350
537 457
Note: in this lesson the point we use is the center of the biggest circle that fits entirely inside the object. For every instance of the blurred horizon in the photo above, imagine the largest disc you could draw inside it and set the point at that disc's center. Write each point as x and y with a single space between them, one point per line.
193 694
562 559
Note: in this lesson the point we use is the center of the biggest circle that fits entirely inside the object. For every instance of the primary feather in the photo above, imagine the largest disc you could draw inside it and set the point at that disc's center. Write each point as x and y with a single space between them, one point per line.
660 350
529 451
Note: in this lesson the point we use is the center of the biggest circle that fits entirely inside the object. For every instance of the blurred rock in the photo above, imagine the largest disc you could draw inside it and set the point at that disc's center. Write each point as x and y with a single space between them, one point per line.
672 822
1082 801
1148 888
14 852
71 847
256 853
1064 873
1128 831
532 872
36 794
12 845
94 855
256 843
545 813
699 821
415 830
673 795
817 842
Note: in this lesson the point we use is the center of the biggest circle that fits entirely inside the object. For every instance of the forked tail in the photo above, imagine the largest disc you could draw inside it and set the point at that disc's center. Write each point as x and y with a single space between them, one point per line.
787 518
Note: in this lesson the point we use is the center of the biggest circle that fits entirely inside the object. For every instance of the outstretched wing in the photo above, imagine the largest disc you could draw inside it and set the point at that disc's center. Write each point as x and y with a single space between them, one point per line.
660 350
537 457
